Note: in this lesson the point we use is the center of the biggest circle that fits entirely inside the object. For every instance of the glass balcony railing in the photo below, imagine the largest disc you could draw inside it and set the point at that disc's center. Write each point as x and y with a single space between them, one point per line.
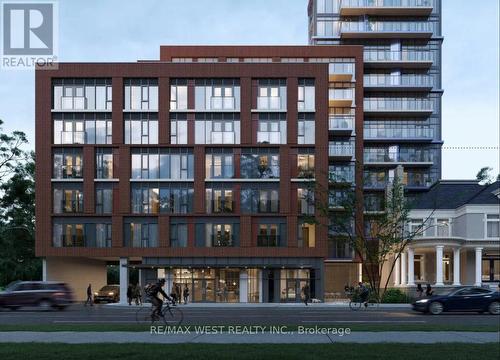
269 137
73 240
340 149
221 206
225 240
341 123
269 103
405 55
268 206
68 172
398 104
387 27
268 240
395 80
72 137
399 133
381 157
222 137
386 3
222 103
337 176
71 206
73 103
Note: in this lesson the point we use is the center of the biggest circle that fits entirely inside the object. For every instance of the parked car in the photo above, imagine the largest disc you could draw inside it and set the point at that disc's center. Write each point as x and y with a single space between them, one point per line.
46 295
461 299
108 293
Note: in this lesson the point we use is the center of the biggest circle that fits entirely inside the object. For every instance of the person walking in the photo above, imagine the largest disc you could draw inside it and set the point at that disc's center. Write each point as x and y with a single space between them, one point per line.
420 290
178 293
185 294
137 295
129 294
428 290
89 296
307 293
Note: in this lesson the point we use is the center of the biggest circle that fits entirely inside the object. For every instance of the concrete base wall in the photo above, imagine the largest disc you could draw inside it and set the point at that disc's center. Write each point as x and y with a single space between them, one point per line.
336 276
78 273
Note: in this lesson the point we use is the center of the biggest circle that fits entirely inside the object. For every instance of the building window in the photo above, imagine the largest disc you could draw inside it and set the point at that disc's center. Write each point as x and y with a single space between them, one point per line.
68 198
306 129
306 95
141 234
152 198
271 95
145 199
104 163
492 226
339 248
305 201
305 164
82 94
306 235
219 200
217 94
416 227
219 164
103 199
178 129
67 163
271 128
68 235
141 94
141 128
178 95
78 128
271 235
490 270
178 233
260 199
219 235
341 173
217 128
172 164
443 227
260 163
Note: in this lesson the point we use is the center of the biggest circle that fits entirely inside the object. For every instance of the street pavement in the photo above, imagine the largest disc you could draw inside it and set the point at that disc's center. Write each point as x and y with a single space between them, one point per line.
297 314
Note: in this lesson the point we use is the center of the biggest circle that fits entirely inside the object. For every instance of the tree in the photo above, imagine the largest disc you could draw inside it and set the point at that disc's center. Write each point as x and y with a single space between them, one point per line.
381 238
17 225
484 176
10 151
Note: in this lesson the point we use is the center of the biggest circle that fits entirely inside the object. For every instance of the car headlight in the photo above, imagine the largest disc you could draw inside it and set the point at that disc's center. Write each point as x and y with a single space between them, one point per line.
111 293
95 294
423 301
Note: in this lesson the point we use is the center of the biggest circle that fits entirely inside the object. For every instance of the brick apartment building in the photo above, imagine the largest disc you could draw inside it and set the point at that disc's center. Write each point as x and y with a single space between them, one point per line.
195 167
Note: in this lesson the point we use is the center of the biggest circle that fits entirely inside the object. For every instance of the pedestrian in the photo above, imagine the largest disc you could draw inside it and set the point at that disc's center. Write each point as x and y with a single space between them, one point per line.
137 294
178 293
307 293
420 290
185 294
89 296
129 294
428 290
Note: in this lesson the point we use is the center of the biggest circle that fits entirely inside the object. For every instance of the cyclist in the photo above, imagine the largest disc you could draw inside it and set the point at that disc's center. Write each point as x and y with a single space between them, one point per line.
153 292
363 293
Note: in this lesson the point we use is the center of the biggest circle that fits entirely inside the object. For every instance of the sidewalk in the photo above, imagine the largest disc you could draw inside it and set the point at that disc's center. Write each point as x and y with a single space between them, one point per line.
340 305
417 337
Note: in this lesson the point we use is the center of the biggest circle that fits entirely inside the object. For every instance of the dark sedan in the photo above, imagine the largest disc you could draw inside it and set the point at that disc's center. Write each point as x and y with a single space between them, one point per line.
461 299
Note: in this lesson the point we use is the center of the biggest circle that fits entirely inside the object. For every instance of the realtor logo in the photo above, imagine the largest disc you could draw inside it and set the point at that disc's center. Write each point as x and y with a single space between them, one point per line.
29 34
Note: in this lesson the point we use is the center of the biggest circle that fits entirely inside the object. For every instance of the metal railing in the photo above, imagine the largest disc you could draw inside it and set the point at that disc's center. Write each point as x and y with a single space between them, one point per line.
72 137
269 103
341 123
224 240
340 149
398 104
68 172
71 206
399 133
221 206
405 55
222 103
387 26
396 80
386 3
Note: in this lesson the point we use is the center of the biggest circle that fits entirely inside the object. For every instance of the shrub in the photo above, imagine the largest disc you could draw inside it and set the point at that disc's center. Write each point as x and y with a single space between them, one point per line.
395 296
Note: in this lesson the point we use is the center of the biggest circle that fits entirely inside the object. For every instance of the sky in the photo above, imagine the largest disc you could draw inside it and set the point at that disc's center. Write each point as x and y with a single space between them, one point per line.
126 30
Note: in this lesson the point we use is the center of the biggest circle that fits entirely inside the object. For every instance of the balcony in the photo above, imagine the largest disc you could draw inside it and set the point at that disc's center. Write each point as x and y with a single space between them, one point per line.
382 82
386 29
344 177
272 103
341 151
223 240
398 106
222 103
341 72
401 59
269 137
341 125
305 173
268 240
222 137
71 206
68 172
73 103
72 137
386 7
341 97
387 159
422 134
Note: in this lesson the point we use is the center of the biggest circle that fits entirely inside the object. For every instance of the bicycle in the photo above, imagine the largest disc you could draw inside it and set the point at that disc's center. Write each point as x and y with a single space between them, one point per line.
357 301
170 314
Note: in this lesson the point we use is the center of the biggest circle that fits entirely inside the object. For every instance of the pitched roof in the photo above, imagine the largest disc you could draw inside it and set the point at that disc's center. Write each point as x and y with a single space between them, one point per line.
451 194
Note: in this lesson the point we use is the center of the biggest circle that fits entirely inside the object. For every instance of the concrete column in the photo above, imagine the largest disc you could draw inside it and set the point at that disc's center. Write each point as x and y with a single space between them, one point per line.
403 268
439 265
261 284
44 269
169 281
411 263
243 286
456 267
123 280
479 261
397 272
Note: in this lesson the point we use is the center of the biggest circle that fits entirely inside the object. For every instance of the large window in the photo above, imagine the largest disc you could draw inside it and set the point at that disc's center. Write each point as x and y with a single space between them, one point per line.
91 233
260 198
306 95
219 164
82 128
217 94
172 164
272 128
104 163
492 226
306 234
178 94
82 94
104 199
305 163
141 128
68 198
219 199
271 95
178 233
178 129
223 233
68 163
141 94
217 128
306 129
259 163
151 198
68 235
271 235
490 270
305 201
140 233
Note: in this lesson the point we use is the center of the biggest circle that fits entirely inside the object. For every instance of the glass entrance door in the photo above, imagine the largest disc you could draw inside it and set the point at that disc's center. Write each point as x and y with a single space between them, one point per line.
203 290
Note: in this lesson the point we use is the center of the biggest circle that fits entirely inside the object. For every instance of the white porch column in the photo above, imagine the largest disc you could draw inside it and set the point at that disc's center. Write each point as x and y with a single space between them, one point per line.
44 269
439 265
479 261
403 269
411 264
243 286
397 272
456 267
123 280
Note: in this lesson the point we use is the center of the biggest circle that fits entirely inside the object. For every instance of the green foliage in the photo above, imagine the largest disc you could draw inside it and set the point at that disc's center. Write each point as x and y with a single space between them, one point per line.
10 151
395 296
